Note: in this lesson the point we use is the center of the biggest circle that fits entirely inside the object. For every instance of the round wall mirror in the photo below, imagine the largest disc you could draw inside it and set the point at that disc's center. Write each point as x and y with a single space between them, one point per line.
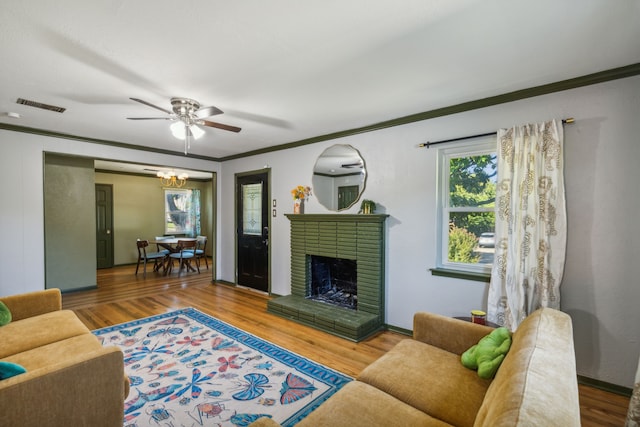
339 177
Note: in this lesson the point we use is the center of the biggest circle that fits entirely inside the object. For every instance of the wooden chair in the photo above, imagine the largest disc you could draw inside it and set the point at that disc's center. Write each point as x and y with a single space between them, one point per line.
144 257
201 250
185 252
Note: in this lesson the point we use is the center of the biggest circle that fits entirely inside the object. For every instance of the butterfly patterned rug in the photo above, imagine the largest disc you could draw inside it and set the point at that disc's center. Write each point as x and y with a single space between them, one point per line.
189 369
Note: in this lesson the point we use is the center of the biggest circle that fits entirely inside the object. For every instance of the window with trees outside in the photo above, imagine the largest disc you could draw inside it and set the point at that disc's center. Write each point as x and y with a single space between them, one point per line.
179 211
466 198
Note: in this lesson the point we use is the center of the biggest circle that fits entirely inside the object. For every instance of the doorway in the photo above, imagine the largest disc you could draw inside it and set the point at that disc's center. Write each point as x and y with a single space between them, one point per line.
252 231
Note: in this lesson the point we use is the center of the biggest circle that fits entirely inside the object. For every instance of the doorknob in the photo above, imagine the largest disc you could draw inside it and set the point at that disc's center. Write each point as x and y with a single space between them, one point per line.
108 231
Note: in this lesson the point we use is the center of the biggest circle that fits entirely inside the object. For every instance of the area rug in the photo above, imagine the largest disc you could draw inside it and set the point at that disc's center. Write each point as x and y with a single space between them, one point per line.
189 369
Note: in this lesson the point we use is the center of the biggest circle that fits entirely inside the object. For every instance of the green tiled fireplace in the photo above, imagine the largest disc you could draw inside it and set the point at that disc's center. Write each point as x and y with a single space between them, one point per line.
354 237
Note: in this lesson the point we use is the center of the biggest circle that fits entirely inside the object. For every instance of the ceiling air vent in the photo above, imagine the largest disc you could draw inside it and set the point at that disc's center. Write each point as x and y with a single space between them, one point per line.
40 105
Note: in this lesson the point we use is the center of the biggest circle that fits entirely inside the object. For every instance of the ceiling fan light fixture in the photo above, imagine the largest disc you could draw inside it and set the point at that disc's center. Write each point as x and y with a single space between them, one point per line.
196 132
178 130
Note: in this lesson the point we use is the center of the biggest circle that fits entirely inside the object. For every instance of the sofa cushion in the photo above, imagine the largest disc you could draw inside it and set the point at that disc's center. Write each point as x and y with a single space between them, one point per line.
537 383
429 379
25 334
360 405
46 355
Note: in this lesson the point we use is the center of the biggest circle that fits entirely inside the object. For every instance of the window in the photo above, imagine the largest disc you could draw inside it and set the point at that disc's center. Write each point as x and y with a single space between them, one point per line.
466 200
182 212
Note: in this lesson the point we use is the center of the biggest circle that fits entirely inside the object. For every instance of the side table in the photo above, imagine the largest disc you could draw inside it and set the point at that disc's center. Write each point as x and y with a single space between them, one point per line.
468 319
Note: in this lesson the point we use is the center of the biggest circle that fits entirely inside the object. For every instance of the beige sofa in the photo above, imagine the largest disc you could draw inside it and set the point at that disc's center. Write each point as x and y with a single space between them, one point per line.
71 379
421 381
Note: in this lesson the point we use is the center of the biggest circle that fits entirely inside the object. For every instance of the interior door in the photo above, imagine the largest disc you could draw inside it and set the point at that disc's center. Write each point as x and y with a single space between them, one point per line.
104 225
252 234
347 195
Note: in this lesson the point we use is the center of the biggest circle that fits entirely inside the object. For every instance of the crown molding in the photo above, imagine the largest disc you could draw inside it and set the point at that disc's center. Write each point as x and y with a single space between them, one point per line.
586 80
52 134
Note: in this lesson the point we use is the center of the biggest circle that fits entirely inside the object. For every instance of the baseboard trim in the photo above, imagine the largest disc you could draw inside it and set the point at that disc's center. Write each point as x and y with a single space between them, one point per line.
224 282
70 291
602 385
398 330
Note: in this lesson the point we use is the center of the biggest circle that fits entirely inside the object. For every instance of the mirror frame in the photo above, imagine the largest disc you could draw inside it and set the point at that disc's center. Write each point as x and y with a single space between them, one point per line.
346 158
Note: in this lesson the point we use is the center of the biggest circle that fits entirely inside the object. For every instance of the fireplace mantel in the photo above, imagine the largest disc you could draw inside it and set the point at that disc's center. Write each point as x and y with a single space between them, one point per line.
373 218
356 237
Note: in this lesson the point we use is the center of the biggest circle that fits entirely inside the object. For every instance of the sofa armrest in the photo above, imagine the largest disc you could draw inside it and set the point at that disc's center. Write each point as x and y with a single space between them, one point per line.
32 304
264 422
87 389
447 333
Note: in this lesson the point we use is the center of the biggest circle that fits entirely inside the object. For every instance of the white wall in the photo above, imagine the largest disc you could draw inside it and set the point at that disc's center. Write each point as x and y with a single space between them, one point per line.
21 213
600 290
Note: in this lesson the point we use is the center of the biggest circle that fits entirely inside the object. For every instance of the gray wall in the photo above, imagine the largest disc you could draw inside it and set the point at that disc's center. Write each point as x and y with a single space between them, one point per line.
70 222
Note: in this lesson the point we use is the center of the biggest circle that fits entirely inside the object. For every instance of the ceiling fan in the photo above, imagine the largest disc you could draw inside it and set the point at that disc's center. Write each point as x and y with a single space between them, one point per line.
188 115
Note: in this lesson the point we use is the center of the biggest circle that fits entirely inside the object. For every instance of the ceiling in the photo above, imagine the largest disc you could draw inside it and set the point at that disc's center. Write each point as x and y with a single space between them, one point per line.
289 70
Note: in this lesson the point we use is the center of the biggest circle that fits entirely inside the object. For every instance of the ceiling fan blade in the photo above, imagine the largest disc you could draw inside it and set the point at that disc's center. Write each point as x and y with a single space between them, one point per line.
150 105
149 118
219 125
208 112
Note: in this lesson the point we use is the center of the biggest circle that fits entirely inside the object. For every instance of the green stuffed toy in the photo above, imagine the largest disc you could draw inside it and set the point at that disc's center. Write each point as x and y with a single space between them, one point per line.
5 314
487 355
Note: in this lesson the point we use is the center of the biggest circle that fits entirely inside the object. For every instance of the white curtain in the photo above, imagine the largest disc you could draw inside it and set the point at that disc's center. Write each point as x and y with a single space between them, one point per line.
633 414
531 221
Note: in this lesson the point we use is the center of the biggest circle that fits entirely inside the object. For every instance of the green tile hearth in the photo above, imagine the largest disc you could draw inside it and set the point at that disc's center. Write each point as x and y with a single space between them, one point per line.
340 321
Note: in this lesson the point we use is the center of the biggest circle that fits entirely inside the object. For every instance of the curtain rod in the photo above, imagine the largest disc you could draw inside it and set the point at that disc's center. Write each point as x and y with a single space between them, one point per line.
429 144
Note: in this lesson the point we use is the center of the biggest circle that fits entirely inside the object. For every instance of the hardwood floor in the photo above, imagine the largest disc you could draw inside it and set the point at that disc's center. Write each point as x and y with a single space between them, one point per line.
122 296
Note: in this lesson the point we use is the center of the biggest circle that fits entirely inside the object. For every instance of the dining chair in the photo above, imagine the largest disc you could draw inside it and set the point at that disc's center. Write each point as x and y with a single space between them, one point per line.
185 252
144 257
201 250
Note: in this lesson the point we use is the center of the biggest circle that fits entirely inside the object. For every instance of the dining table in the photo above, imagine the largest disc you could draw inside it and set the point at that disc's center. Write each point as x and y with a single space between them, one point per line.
171 244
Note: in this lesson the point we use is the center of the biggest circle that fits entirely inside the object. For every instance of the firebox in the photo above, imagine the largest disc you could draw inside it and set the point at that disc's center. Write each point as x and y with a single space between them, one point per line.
333 281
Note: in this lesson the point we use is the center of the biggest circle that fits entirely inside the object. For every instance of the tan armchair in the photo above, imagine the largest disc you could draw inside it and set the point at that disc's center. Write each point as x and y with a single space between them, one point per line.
71 378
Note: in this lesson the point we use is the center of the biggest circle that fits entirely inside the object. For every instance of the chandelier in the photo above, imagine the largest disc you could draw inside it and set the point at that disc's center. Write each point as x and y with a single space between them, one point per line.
171 179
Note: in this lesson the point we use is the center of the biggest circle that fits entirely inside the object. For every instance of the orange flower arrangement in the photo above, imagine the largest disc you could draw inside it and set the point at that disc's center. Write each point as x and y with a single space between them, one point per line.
301 192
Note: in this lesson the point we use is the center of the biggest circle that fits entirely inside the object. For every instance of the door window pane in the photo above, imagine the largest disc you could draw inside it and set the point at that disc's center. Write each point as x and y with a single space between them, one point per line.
252 206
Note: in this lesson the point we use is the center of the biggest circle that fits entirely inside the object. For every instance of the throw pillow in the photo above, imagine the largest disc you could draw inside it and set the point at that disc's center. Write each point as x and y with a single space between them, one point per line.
5 314
488 354
8 370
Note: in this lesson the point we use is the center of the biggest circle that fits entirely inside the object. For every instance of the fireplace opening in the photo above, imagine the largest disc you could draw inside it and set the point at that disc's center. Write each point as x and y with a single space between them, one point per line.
334 281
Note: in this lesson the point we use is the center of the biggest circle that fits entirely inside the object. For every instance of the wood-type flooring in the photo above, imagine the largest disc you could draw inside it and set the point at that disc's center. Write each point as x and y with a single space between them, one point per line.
122 296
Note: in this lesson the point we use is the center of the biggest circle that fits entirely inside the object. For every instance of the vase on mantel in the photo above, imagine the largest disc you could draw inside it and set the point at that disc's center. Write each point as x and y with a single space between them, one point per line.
298 206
